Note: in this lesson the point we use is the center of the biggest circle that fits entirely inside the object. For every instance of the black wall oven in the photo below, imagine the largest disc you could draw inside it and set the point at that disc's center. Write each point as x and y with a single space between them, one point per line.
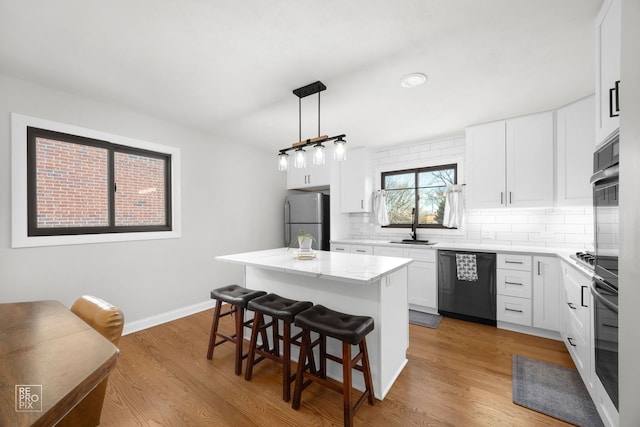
604 287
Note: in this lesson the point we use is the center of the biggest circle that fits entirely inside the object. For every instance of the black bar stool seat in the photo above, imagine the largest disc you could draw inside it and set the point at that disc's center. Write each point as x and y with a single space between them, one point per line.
238 297
350 330
279 309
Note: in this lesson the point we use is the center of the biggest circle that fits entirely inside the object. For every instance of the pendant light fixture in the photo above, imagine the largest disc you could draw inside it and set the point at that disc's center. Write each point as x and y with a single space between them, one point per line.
319 150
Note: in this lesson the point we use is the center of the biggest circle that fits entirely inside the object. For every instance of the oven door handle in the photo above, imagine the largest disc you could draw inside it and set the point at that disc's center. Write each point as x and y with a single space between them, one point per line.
594 291
608 173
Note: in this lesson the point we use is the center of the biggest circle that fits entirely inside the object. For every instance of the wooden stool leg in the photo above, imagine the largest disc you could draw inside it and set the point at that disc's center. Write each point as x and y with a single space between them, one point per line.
258 320
239 313
346 384
323 356
275 333
286 361
214 329
366 370
302 360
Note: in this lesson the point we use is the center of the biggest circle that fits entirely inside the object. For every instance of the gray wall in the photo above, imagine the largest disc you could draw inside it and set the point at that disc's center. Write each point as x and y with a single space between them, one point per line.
231 202
629 316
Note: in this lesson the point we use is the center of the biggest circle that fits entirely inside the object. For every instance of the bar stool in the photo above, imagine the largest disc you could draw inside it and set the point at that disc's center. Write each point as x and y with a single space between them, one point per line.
278 308
238 297
350 330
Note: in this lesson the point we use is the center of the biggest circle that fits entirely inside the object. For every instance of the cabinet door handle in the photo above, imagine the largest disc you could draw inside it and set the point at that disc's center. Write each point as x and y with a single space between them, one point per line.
361 204
610 326
582 296
507 261
571 306
361 250
501 198
514 310
339 249
510 202
571 341
513 283
538 268
614 90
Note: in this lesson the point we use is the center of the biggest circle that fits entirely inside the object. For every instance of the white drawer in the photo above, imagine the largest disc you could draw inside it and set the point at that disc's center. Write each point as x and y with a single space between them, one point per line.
514 283
428 255
514 262
514 310
360 249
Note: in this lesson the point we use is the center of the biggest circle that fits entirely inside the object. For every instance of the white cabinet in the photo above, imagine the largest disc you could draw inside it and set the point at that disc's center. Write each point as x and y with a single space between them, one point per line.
513 276
340 247
310 177
575 133
607 69
422 276
547 293
576 322
355 182
361 249
510 163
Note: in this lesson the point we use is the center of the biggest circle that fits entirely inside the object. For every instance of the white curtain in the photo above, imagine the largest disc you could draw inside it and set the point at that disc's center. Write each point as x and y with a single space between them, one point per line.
453 207
380 213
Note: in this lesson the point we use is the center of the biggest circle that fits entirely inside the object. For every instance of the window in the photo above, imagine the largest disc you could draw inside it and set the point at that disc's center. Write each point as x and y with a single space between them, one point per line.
72 185
420 191
80 185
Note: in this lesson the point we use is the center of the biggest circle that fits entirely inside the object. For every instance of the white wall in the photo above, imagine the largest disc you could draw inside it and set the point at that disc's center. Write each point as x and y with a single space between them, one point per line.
551 227
231 202
629 315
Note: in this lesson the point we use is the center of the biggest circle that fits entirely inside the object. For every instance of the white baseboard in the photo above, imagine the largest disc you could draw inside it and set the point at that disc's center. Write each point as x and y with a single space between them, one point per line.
158 319
553 335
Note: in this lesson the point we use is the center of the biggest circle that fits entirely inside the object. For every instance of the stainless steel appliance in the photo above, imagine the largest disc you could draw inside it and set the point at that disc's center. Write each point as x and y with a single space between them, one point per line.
461 298
604 287
308 212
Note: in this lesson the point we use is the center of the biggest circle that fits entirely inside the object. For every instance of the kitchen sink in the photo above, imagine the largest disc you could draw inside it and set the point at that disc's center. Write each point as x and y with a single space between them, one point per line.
414 242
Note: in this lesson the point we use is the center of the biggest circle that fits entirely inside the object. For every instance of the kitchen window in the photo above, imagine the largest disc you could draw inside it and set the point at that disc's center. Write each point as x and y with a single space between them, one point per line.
421 191
73 185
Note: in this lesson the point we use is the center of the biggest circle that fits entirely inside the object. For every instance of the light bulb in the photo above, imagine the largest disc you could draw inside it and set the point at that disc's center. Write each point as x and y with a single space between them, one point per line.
318 155
339 151
300 160
283 162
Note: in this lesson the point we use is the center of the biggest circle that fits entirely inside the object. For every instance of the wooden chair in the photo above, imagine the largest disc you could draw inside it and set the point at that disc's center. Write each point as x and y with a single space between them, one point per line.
108 321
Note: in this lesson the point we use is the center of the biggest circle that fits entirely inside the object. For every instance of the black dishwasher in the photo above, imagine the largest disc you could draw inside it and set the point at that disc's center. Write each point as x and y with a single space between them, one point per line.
467 286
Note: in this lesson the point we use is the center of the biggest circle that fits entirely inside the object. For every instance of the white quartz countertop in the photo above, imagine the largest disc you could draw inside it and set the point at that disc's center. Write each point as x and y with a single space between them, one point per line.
338 266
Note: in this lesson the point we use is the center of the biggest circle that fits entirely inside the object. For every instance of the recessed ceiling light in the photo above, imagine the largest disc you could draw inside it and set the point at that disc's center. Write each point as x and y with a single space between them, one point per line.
413 80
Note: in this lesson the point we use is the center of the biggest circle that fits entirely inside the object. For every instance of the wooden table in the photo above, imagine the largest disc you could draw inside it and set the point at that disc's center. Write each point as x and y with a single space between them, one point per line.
43 343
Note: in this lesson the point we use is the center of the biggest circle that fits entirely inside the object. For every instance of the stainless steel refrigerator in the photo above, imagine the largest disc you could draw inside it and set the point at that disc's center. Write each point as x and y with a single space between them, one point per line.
308 212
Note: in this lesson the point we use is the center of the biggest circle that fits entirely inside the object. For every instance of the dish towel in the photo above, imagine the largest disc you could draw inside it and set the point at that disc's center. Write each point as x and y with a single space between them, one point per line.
466 267
453 207
380 213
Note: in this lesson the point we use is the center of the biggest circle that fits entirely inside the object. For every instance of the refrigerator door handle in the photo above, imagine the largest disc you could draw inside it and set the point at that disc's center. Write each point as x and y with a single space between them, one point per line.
287 227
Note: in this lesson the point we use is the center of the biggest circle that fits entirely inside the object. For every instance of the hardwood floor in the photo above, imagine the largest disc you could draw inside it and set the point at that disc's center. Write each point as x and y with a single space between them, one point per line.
457 375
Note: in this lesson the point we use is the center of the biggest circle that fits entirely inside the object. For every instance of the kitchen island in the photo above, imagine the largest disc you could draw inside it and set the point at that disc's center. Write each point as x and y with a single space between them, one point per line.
366 285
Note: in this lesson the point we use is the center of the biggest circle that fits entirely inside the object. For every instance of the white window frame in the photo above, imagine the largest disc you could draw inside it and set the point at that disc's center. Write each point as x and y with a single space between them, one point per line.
19 226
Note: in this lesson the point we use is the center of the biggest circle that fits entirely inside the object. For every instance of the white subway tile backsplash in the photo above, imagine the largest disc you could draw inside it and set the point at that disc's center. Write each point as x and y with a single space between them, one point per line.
552 227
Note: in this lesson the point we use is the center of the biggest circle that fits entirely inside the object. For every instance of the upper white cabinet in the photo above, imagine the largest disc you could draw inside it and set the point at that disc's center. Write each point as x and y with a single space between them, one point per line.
311 176
355 179
607 69
510 163
575 133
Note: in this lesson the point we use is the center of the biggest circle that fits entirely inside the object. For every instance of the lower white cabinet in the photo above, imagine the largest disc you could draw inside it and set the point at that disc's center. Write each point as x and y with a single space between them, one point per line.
547 293
422 280
513 276
576 321
514 310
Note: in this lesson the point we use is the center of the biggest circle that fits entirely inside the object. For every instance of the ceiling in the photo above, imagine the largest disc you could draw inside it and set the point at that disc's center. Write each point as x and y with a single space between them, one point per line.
229 67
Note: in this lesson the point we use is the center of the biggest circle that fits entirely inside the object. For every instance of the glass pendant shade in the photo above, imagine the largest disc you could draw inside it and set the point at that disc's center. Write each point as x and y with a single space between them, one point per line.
300 159
318 155
283 162
339 150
